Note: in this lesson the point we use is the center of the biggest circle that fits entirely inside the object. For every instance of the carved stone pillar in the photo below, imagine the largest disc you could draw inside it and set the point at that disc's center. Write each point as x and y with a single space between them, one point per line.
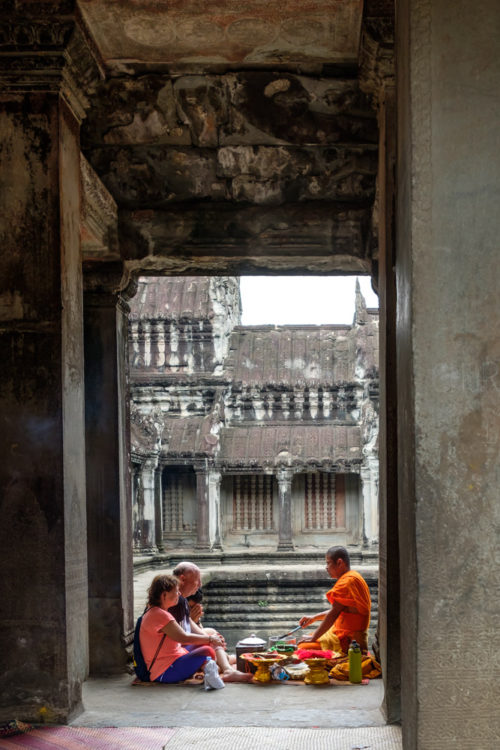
108 468
369 493
147 532
43 550
284 477
158 508
202 509
214 480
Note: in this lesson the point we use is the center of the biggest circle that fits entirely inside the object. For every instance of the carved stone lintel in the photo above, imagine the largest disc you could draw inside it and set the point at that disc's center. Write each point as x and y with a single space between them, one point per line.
181 242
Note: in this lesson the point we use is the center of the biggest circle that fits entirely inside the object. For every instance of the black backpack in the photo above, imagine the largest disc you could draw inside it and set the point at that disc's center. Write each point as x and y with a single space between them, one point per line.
141 669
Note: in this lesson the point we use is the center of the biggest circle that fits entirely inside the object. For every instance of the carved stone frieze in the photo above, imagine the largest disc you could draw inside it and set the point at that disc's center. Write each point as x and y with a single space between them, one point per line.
150 427
44 34
82 72
145 176
258 108
98 218
44 47
376 60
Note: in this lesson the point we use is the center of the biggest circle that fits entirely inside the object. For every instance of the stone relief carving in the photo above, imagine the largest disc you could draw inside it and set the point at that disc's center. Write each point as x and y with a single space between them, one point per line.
377 57
70 67
151 424
42 34
99 216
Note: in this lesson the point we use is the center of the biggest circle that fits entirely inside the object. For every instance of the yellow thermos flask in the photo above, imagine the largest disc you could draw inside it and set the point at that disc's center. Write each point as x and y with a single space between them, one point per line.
355 674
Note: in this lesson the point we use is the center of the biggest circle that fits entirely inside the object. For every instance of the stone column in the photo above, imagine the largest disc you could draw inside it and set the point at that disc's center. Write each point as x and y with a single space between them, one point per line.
284 477
388 595
147 519
108 469
448 371
202 509
214 511
158 508
43 535
369 492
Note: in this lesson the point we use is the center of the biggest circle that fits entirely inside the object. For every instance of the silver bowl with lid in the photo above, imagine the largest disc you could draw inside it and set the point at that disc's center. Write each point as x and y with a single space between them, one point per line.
251 644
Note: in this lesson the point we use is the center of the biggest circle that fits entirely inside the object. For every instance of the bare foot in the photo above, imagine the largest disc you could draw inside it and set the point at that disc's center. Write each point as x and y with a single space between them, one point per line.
233 675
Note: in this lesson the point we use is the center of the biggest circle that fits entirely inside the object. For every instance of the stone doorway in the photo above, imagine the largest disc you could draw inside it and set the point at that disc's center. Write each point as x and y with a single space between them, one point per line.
251 412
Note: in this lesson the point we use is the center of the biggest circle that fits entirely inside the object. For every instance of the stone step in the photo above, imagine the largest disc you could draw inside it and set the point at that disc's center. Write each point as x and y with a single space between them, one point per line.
276 612
268 607
246 558
269 596
312 606
274 586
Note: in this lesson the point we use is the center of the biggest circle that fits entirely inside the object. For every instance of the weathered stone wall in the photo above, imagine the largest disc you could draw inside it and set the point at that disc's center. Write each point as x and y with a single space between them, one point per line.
264 165
448 371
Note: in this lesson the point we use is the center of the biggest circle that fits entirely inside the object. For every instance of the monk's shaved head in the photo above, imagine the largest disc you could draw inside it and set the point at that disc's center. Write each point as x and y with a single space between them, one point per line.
336 553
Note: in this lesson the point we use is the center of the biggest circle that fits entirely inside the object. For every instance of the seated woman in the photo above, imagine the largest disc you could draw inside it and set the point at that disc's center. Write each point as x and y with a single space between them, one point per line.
173 662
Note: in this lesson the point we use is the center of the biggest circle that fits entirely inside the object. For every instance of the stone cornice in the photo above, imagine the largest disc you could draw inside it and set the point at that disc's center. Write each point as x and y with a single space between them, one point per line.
45 48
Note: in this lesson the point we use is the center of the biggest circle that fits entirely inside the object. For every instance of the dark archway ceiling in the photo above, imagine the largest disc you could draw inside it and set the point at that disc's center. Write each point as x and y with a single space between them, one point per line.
237 136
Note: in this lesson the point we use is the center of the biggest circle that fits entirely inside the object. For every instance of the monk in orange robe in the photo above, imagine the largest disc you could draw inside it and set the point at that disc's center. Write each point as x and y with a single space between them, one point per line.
349 616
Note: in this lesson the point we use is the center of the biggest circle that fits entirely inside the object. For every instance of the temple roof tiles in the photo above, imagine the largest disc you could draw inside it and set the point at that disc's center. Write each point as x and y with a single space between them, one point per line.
247 445
329 444
292 355
172 298
188 436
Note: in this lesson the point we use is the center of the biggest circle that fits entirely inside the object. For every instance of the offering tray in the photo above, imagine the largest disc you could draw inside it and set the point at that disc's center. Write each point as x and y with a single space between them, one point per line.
262 661
318 671
283 649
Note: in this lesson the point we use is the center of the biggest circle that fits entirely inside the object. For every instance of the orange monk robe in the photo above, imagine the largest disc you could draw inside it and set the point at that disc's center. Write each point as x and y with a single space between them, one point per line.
350 590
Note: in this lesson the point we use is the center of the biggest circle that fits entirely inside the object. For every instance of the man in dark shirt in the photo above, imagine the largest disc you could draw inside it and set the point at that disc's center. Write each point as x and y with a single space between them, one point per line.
189 576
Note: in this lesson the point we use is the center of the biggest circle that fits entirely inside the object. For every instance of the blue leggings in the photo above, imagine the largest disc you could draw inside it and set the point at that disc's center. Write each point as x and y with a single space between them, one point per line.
186 665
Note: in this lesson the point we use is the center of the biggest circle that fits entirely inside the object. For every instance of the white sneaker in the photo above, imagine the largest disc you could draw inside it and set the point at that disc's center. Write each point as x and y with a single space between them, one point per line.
212 677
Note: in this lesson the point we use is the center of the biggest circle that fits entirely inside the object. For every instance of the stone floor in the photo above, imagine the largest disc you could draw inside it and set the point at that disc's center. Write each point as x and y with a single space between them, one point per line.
112 701
282 716
371 738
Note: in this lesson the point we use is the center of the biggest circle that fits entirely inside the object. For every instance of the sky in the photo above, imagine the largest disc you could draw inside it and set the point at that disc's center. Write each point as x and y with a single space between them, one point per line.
313 300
